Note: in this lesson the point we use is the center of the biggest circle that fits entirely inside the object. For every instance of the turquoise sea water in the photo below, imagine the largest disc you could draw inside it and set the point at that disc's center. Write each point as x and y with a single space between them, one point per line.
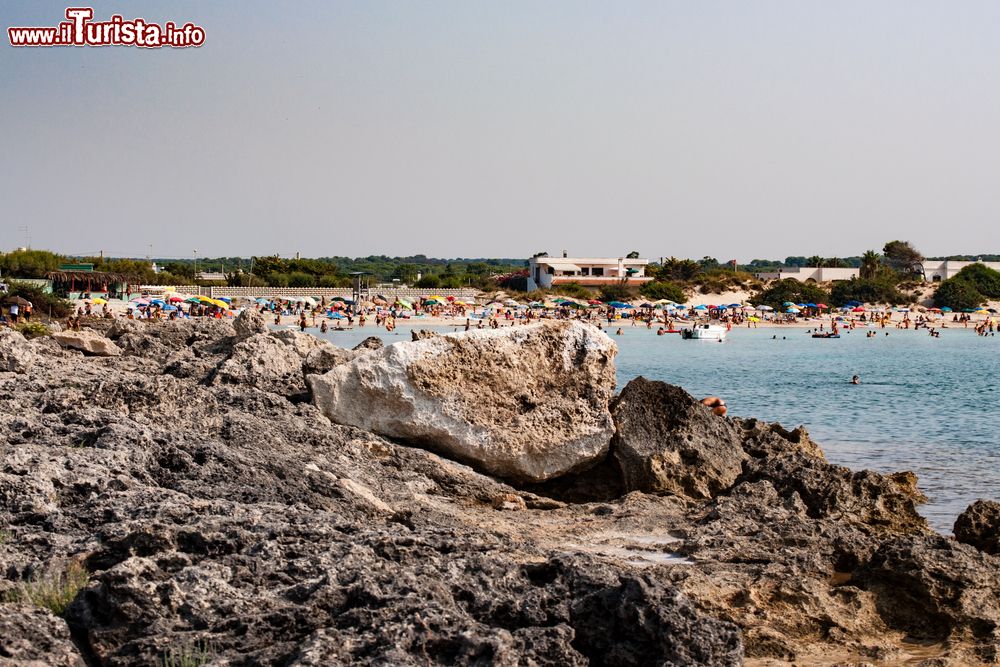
930 405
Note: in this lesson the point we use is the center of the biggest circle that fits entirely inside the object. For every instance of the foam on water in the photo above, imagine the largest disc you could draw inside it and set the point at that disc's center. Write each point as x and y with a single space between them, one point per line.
930 405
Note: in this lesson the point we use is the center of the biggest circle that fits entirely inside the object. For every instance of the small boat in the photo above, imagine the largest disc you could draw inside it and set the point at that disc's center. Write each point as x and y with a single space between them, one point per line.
704 332
826 335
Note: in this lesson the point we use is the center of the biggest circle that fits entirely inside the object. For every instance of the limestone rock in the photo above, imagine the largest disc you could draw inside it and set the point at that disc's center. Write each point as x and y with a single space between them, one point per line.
370 343
979 525
88 342
249 322
299 341
34 637
324 358
16 356
527 403
667 442
264 362
936 589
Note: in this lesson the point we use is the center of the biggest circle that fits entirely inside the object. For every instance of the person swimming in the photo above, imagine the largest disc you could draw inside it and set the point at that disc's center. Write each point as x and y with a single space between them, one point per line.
855 380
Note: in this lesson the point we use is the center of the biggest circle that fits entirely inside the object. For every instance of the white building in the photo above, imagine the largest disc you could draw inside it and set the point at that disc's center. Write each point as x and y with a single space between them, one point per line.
937 270
545 272
819 274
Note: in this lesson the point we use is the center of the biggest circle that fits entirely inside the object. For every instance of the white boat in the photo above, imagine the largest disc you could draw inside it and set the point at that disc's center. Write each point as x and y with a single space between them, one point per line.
705 332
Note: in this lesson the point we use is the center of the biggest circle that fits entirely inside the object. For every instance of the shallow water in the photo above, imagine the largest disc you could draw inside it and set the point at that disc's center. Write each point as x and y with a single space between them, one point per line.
930 405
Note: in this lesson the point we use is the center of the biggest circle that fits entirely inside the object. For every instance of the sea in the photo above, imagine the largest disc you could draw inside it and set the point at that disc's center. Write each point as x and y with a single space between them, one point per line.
929 405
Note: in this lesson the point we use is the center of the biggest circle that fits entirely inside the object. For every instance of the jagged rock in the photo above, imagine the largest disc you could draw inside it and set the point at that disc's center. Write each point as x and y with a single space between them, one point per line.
772 439
370 343
936 589
422 334
300 341
34 637
527 403
264 362
249 322
88 342
16 355
123 326
979 526
886 503
667 442
324 358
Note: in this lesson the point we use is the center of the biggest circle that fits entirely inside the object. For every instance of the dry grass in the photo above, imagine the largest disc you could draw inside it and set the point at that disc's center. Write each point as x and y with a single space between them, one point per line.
54 591
189 656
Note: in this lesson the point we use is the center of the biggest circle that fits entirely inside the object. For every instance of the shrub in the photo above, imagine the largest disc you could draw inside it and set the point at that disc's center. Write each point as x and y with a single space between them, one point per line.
985 280
575 290
662 289
33 330
874 290
958 293
42 303
53 592
188 656
792 290
617 292
429 282
300 279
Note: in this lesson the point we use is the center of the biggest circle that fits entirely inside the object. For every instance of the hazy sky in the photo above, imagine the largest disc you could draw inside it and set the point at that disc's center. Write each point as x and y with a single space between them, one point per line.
736 129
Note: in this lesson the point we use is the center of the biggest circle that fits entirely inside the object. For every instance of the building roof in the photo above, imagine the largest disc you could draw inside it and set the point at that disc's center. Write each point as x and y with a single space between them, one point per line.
589 260
92 276
563 266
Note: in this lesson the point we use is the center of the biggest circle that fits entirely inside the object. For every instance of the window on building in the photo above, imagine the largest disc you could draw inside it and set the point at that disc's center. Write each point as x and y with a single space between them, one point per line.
597 271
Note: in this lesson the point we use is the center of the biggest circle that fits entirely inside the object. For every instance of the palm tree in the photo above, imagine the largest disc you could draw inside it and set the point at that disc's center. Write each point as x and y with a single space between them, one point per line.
870 263
816 261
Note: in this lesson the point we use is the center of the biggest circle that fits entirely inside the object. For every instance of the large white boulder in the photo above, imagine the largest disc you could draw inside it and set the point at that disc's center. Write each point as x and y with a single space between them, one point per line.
88 342
16 356
528 403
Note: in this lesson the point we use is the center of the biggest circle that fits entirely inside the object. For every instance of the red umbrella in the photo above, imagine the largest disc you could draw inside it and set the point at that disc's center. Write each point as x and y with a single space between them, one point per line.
859 309
175 299
822 305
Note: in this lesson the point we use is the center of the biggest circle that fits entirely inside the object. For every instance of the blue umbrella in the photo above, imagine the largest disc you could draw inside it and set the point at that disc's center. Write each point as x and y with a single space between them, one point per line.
619 304
337 316
810 305
734 305
788 303
946 309
169 308
702 307
158 302
226 299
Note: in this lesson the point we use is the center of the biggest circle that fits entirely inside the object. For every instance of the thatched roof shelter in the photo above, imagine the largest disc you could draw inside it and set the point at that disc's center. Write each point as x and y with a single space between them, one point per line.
93 276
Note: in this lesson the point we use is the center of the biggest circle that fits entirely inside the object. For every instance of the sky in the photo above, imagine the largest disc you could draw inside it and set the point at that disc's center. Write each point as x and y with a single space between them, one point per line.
740 129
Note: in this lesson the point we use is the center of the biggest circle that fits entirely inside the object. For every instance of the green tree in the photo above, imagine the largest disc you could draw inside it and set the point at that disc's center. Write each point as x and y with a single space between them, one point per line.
678 269
632 255
816 261
903 258
30 263
870 263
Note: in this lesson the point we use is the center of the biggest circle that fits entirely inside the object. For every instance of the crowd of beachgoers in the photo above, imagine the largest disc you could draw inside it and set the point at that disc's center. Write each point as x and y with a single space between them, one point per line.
665 316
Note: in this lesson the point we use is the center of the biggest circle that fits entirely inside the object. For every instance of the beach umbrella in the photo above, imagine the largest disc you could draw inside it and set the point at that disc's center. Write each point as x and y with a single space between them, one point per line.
968 310
169 308
822 305
701 307
158 302
809 305
753 318
857 309
793 310
735 305
982 311
175 299
406 305
788 303
991 310
646 305
226 299
945 309
99 301
764 308
337 316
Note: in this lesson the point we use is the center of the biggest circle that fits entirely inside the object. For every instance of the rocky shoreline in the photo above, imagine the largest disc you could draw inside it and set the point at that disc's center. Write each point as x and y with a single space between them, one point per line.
220 494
